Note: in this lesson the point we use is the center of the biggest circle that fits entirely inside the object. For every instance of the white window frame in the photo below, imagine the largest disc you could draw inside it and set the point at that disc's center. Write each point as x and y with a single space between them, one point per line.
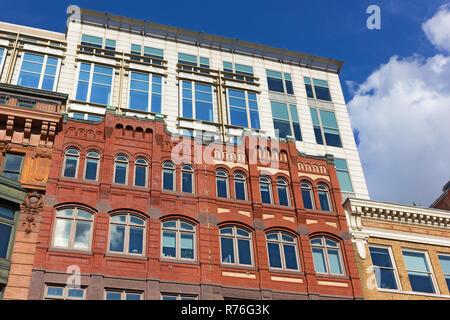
244 180
270 189
431 272
192 172
91 75
126 240
247 108
98 164
282 254
44 64
64 164
394 267
65 295
178 232
146 171
123 293
2 61
126 172
179 296
150 92
235 237
327 260
227 182
288 191
193 99
174 174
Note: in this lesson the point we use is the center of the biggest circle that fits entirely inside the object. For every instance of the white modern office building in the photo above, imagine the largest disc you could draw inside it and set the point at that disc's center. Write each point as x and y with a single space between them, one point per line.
200 83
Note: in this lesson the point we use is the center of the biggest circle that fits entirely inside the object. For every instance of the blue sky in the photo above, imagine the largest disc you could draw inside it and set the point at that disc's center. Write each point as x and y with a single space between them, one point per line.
328 28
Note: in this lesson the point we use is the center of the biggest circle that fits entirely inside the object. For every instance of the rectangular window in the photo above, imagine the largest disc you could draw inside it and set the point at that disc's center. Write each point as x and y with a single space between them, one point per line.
245 71
94 83
419 274
2 55
279 82
174 296
12 166
6 229
343 175
197 101
145 92
385 273
85 116
325 127
122 295
445 264
38 71
53 292
194 61
318 89
285 120
153 53
96 42
243 109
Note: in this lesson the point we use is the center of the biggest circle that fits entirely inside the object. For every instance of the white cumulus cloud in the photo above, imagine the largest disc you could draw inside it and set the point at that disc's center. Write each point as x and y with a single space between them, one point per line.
402 113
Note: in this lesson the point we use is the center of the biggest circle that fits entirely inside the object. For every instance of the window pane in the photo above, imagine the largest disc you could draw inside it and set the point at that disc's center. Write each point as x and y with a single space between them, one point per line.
100 94
323 199
332 137
254 120
187 245
319 260
445 263
240 190
117 242
82 235
421 282
244 251
91 169
5 235
139 100
121 172
344 181
282 128
415 261
156 103
335 264
169 298
283 196
275 84
322 93
140 176
265 193
75 293
6 213
222 187
289 88
186 226
238 117
169 244
307 200
62 233
71 166
136 240
203 111
167 179
187 182
47 83
113 296
380 257
54 291
82 89
170 224
290 257
133 296
318 134
227 250
29 79
309 91
385 278
274 255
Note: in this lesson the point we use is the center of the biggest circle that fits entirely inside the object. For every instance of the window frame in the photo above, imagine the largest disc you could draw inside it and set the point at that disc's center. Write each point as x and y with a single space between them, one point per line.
286 188
146 171
65 162
394 267
127 225
65 293
13 224
244 181
324 247
281 251
194 99
179 296
289 107
429 265
283 80
178 231
235 238
190 171
173 170
5 159
328 195
248 109
149 92
86 163
126 171
446 275
44 66
312 84
227 182
90 82
269 184
123 293
73 225
3 58
322 127
310 190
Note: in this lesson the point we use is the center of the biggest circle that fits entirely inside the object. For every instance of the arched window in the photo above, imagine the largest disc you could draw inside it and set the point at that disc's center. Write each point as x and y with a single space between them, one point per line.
265 188
187 179
73 229
127 234
71 158
307 195
282 249
283 192
222 183
121 169
168 173
178 239
324 197
92 165
140 172
236 246
240 186
327 256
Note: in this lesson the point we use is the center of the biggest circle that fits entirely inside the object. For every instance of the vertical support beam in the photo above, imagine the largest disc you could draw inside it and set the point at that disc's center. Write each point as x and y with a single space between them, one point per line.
121 76
12 61
222 116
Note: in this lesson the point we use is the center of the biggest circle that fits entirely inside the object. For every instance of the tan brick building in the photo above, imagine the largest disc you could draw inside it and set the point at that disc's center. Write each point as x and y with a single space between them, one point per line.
402 252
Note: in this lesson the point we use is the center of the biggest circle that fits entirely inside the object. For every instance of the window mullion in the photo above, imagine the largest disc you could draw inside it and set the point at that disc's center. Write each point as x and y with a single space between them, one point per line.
91 77
41 78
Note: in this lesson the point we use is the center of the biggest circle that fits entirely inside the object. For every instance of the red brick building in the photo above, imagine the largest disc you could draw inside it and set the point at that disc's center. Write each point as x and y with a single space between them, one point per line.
443 201
138 223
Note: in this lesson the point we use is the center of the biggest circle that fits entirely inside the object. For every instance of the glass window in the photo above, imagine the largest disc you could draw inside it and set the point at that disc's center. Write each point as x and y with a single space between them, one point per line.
222 184
12 166
324 197
122 295
191 60
326 256
174 296
53 292
279 82
240 186
73 228
140 172
178 239
94 83
6 230
197 101
324 122
127 234
236 246
155 54
92 165
2 55
307 195
282 250
121 170
317 89
419 274
445 264
38 71
265 188
343 175
145 92
187 179
245 71
71 158
283 192
243 109
385 273
285 120
168 178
